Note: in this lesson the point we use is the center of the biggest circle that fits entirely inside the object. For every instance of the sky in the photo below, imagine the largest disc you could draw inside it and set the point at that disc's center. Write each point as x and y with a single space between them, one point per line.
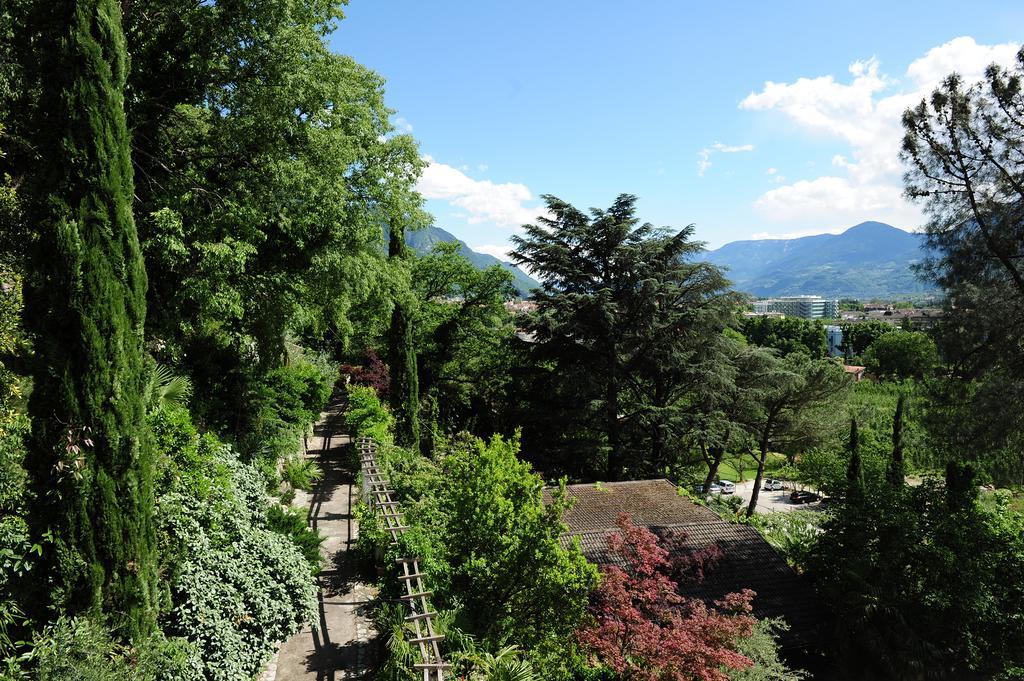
748 120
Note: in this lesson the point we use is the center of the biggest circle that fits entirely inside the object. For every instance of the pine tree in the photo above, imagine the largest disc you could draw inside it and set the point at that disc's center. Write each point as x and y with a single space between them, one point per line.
85 306
405 392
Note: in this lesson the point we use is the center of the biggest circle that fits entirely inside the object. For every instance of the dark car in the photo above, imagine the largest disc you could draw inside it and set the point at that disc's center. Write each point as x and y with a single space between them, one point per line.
804 497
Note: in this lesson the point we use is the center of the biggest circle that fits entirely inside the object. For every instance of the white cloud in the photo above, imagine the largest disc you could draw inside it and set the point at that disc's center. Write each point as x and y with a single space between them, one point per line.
400 122
482 167
482 200
864 113
775 175
704 155
500 252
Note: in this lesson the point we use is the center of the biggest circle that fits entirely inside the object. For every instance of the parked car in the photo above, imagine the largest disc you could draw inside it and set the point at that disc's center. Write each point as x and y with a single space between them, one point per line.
803 496
726 486
715 488
773 485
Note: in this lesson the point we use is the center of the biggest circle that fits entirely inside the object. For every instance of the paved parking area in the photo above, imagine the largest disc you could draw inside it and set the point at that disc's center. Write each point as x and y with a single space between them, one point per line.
770 502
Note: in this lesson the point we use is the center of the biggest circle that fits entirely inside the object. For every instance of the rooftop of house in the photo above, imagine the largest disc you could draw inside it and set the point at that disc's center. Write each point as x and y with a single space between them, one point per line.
748 561
649 502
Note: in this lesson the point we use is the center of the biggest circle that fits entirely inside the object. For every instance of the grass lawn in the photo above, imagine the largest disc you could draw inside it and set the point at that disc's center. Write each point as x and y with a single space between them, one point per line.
728 471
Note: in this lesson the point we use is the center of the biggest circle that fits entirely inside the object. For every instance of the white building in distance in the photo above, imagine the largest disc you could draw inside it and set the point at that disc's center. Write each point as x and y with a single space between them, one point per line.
805 307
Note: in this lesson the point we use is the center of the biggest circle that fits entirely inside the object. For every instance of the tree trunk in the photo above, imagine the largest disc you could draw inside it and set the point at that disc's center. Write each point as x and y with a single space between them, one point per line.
752 506
717 455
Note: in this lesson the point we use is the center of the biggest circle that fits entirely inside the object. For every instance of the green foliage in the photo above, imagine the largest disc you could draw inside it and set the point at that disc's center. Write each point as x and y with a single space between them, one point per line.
901 354
625 338
237 575
787 334
404 391
300 472
285 402
462 331
491 547
80 649
85 307
760 647
291 522
793 534
857 336
167 389
924 583
366 416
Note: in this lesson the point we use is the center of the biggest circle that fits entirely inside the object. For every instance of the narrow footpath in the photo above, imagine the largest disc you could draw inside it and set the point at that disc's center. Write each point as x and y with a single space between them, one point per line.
341 647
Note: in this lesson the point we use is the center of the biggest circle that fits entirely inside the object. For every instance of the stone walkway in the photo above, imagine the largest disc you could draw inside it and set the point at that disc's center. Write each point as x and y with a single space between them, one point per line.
341 648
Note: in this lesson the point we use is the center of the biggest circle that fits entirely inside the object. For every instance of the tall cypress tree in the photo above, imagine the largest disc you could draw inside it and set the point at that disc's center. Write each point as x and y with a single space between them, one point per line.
405 390
91 462
896 472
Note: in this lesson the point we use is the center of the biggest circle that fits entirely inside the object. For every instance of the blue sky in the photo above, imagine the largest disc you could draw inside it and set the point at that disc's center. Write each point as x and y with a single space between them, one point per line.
747 119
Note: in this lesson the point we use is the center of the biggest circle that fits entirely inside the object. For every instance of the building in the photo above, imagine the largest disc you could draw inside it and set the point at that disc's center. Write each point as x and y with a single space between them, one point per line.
805 307
834 337
748 561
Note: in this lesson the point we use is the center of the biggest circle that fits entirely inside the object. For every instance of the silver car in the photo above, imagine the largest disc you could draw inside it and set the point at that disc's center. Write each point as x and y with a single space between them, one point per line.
773 485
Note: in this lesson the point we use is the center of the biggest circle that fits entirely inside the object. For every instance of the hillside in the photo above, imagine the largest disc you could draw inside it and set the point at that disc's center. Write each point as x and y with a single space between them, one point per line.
422 241
869 260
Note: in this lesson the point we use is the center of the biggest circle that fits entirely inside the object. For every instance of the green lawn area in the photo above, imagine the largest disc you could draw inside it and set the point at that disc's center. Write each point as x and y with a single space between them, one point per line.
728 471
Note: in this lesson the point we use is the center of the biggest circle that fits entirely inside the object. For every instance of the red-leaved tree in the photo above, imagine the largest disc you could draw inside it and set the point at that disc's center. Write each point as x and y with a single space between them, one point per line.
373 373
642 628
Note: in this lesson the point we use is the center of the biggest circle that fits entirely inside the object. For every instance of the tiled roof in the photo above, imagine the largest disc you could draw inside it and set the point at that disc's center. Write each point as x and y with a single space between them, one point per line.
749 562
648 502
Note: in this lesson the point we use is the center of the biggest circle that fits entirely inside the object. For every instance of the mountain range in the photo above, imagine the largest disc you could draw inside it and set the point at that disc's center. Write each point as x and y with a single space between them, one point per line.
422 241
869 260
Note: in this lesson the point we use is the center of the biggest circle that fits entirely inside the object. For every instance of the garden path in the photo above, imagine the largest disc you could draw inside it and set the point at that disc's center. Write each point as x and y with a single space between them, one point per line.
342 646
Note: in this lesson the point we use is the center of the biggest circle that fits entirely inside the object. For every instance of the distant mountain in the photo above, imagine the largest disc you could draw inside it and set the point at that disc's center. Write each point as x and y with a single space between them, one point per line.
869 260
422 241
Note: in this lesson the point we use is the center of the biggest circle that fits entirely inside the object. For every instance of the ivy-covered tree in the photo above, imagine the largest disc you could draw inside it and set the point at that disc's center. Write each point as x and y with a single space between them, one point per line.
85 307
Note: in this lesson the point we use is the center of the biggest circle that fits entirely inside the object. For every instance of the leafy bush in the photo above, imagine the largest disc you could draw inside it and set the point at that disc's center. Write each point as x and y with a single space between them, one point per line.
366 416
793 534
236 585
292 523
300 472
286 401
82 649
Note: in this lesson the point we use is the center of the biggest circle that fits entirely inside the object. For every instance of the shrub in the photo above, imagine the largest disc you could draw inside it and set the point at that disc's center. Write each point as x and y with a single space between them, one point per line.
286 400
292 523
235 584
81 649
300 472
366 416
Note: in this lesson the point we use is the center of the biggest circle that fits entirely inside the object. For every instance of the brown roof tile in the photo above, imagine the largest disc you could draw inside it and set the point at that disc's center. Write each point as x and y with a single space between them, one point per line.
648 502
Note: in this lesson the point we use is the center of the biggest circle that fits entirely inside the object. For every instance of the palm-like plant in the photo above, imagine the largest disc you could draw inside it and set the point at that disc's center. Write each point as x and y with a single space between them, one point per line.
168 389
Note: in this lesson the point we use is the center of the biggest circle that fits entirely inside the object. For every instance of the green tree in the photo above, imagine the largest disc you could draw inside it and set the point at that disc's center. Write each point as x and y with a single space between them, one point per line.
787 334
922 586
796 397
962 145
493 548
85 307
462 333
857 336
404 391
622 327
901 354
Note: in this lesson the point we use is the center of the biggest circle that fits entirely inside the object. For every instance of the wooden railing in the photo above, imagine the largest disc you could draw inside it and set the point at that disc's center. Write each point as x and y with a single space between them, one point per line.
378 495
